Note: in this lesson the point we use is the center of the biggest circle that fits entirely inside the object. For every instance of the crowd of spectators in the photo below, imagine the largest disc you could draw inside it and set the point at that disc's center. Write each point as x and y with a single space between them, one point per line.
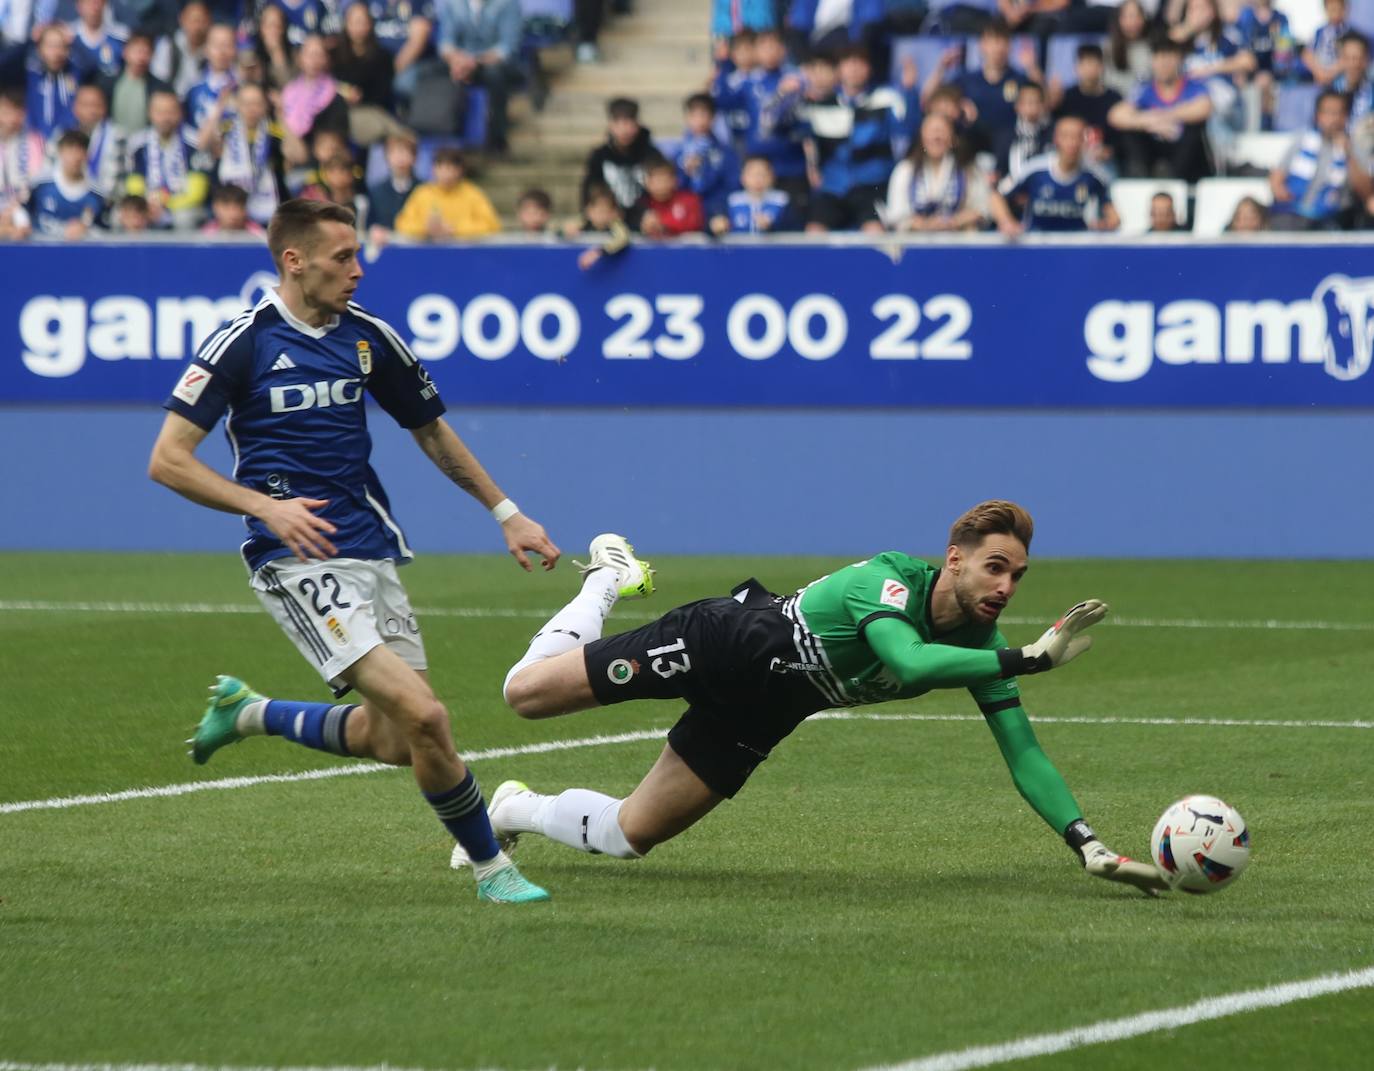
199 116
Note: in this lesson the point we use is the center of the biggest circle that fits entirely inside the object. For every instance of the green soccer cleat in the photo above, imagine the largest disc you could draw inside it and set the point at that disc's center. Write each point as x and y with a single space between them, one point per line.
611 551
509 886
217 724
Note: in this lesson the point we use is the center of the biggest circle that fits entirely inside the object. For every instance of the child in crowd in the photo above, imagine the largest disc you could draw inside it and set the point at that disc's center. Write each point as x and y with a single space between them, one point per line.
131 214
759 208
600 216
67 205
665 211
705 165
451 206
229 207
534 211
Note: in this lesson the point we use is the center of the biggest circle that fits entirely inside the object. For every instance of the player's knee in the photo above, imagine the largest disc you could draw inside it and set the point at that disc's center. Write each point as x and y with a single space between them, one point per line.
424 719
640 839
524 696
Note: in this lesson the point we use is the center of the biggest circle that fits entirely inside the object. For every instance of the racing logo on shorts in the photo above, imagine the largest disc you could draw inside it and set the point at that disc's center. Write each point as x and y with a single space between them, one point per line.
894 594
365 356
622 671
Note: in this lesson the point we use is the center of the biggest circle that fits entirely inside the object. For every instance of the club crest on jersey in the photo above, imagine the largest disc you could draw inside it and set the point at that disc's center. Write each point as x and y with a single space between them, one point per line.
365 356
894 594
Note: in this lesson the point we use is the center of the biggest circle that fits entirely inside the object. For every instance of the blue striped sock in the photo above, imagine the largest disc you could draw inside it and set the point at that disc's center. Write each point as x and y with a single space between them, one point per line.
464 814
316 725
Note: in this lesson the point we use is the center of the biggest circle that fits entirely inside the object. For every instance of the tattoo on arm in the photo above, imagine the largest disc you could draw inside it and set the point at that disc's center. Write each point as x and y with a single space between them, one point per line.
455 470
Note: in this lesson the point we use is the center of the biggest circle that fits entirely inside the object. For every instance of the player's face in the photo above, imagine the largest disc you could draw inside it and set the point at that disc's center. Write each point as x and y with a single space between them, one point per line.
986 576
329 271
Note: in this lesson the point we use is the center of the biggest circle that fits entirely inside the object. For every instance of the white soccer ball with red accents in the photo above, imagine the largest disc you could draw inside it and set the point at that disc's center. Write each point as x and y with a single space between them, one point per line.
1200 844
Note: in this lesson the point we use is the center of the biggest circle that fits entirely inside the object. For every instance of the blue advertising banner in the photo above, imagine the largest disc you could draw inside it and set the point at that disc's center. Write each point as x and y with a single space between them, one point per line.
972 326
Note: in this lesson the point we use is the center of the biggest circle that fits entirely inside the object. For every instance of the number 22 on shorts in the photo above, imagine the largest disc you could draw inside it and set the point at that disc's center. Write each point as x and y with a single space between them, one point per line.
666 667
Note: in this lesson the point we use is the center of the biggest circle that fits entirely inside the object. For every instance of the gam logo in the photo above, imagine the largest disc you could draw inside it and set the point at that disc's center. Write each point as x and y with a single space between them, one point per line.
1334 328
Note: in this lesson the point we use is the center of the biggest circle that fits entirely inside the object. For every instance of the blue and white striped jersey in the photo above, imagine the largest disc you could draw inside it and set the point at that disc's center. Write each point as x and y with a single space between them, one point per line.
292 399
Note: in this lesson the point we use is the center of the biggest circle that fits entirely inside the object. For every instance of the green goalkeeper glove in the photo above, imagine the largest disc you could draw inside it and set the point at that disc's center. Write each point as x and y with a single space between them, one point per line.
1101 862
1060 643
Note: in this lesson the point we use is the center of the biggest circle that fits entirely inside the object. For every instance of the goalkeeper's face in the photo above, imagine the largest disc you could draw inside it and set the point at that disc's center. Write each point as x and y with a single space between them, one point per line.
986 576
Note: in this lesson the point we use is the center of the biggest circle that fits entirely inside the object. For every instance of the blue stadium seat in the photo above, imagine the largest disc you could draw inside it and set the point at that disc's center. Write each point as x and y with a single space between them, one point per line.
1361 16
1295 107
926 51
1062 54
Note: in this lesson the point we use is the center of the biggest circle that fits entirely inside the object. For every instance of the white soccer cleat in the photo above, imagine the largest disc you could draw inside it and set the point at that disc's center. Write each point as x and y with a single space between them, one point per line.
611 551
505 838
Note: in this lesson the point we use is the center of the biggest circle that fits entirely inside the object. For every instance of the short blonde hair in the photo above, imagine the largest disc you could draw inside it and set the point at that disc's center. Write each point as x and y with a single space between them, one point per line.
994 517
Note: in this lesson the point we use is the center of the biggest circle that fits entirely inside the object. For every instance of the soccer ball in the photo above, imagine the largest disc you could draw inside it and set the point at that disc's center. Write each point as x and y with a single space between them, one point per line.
1200 844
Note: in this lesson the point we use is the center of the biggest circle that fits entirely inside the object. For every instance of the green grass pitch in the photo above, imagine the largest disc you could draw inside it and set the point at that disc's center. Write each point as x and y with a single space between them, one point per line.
877 894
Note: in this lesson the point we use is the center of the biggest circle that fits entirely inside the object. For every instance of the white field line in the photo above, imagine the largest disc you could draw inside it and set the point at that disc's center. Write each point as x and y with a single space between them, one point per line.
482 612
1134 1025
189 787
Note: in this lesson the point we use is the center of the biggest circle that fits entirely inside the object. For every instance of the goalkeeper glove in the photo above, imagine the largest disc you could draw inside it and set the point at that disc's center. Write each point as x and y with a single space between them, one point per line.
1060 643
1101 862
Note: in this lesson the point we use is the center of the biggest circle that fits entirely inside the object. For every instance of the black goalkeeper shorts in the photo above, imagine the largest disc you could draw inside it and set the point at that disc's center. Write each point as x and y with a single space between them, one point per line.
734 663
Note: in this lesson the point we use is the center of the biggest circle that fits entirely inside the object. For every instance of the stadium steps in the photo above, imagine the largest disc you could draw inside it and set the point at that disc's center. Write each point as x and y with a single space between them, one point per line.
657 55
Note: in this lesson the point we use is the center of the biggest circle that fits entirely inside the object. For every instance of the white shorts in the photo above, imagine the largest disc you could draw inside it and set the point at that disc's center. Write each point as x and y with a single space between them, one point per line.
336 611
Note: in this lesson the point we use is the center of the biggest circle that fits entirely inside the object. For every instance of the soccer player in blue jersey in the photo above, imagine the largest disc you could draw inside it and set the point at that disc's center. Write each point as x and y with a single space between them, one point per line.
289 376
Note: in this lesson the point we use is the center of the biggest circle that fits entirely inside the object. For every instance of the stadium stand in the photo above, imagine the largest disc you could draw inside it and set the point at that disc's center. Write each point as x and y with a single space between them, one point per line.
1217 199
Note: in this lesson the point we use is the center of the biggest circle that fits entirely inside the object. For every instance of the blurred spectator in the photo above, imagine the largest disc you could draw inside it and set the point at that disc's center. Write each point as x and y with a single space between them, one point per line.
1128 49
1164 124
706 165
97 41
449 207
759 102
308 18
363 69
600 215
587 15
760 207
306 158
534 211
221 50
21 163
961 16
1091 100
129 92
1264 31
179 60
1314 182
1320 57
850 144
229 214
1163 214
829 25
735 64
1060 193
104 144
166 169
1353 81
339 185
131 214
1029 137
480 42
618 163
51 84
1216 59
992 90
311 100
932 190
389 195
729 17
899 18
405 29
1038 17
67 206
273 47
665 211
248 146
1249 217
248 68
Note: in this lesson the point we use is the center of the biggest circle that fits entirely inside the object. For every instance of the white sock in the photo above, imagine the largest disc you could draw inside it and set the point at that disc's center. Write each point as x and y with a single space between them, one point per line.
578 623
485 869
582 819
249 721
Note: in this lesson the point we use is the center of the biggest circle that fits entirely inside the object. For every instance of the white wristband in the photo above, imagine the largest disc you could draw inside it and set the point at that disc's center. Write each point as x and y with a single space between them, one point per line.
504 510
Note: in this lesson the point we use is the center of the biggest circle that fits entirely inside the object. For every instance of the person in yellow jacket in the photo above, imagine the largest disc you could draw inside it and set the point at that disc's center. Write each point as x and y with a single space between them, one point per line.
449 207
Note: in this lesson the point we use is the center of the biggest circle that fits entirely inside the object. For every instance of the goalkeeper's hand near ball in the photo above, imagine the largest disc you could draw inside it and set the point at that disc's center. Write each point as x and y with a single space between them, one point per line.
1062 642
1101 862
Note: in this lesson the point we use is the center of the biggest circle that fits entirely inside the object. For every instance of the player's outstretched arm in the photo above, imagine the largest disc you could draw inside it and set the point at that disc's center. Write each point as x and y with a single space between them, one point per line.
451 455
174 465
1059 644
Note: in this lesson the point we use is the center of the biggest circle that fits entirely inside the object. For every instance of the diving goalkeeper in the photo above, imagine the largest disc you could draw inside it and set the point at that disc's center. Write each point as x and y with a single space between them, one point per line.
755 665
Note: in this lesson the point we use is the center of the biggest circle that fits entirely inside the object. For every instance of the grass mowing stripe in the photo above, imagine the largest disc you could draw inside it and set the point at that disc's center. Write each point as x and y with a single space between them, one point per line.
13 1065
57 606
188 787
1134 1025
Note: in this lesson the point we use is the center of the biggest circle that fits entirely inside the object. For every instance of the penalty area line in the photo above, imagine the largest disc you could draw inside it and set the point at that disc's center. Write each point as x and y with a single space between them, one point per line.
547 746
1135 1025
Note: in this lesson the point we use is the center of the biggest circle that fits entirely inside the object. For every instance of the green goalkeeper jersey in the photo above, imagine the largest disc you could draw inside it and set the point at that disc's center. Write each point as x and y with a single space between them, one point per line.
832 613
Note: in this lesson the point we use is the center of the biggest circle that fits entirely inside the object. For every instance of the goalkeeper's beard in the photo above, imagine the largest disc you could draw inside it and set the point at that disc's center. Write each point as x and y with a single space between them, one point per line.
968 600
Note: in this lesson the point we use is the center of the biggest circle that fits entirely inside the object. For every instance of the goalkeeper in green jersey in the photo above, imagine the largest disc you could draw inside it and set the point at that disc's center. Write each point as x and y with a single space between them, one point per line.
753 666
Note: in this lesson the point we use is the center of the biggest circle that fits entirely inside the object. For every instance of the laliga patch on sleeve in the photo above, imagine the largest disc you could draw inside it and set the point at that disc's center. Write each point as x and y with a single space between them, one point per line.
894 594
191 385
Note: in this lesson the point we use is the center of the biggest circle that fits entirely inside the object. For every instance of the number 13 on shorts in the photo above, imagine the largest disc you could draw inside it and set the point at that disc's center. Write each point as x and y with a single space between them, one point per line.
666 666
